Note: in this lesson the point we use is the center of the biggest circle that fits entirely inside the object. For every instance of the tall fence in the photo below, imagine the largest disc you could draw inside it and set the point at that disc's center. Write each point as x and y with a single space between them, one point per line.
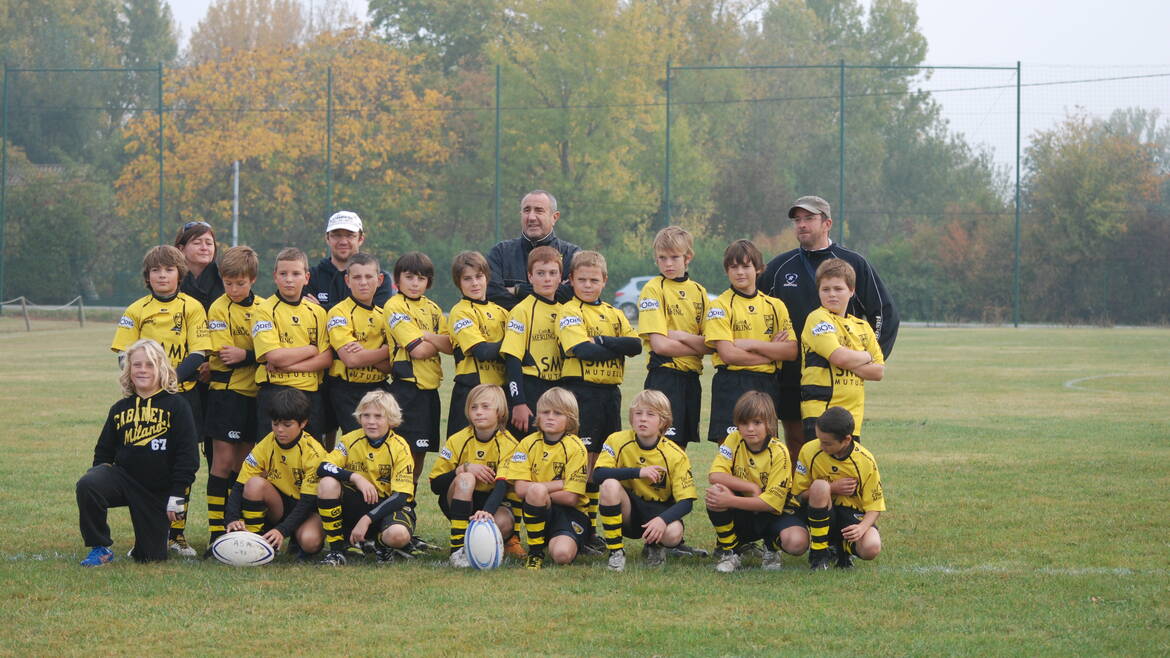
947 177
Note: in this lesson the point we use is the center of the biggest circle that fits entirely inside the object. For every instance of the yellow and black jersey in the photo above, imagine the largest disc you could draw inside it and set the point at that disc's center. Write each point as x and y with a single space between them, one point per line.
666 304
769 469
406 320
473 322
536 460
823 385
736 315
579 322
622 450
281 324
178 324
230 325
463 447
292 469
389 466
350 321
531 336
859 464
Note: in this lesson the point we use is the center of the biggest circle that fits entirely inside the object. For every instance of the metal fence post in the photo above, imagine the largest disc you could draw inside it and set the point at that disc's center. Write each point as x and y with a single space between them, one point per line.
161 196
3 180
329 143
841 157
666 180
496 192
1016 268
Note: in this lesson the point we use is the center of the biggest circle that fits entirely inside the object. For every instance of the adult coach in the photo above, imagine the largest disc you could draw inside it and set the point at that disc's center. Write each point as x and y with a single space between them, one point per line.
508 259
791 277
344 236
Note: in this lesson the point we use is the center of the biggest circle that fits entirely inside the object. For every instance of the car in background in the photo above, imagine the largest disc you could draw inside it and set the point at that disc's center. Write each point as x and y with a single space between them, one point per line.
626 297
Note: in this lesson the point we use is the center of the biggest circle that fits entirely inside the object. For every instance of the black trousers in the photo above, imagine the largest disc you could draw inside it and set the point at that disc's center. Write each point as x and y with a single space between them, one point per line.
106 486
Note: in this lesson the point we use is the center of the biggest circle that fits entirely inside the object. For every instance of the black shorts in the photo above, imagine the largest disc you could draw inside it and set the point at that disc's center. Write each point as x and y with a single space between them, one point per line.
534 387
343 401
726 388
231 417
477 502
750 526
685 393
641 511
288 503
788 380
354 507
599 410
456 414
194 398
264 422
568 521
420 416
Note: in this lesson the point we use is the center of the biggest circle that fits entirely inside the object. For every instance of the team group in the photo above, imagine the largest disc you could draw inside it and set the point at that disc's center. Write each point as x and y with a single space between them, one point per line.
265 385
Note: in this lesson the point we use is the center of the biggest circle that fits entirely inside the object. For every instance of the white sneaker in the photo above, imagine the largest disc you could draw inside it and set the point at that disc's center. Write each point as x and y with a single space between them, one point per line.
772 561
617 561
728 561
179 546
459 559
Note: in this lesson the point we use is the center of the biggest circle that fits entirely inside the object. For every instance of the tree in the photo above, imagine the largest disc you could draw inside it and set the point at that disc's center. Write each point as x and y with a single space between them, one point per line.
232 26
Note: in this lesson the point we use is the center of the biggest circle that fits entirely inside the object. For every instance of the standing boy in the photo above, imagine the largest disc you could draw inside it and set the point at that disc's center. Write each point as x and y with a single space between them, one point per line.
750 333
357 334
477 331
531 346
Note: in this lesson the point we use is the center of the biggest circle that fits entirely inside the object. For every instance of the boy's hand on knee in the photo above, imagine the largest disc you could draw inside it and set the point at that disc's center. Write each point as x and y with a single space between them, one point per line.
654 529
652 473
852 532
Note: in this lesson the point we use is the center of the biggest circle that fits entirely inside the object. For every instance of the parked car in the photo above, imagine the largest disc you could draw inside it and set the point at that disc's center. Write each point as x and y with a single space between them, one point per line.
626 297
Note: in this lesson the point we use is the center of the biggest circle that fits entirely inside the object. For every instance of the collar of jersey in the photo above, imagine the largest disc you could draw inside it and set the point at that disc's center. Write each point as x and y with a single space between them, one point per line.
751 296
595 303
540 242
408 297
487 440
247 301
546 300
639 443
365 306
552 443
165 300
682 279
282 300
291 445
377 443
476 301
826 250
852 445
749 447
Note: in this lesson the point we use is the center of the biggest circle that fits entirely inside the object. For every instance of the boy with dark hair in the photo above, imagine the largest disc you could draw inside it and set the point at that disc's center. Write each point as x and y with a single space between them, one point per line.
531 345
277 485
179 324
477 331
292 347
750 332
749 497
357 334
840 351
231 402
839 480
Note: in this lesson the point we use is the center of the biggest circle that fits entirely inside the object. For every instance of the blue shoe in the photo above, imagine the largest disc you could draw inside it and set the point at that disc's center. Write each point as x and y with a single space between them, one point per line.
98 556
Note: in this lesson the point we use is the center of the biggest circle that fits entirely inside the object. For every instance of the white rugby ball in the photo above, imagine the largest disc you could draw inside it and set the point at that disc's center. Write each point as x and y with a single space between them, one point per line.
483 544
242 549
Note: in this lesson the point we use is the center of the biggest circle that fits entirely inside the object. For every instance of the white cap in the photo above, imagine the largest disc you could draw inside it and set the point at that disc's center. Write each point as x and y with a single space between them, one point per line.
344 220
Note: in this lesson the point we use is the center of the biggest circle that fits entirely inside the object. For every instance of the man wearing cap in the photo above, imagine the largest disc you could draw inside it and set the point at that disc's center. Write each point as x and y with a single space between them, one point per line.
791 277
509 258
344 235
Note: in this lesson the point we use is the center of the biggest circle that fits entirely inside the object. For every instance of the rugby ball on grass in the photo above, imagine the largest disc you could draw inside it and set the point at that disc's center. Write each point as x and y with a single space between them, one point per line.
242 549
483 544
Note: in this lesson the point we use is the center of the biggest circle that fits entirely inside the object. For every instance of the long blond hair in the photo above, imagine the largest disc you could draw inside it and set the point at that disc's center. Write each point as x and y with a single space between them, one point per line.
167 379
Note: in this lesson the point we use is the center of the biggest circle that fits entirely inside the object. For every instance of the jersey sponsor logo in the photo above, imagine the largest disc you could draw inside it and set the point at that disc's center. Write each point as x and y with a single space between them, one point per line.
251 460
126 322
716 314
724 451
570 321
608 449
397 318
516 325
337 321
790 280
445 453
519 457
801 468
217 325
823 328
422 443
263 325
234 434
462 324
648 305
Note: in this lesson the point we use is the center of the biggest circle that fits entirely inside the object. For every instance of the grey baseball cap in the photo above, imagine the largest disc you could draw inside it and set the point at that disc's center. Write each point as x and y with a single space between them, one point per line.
814 204
346 220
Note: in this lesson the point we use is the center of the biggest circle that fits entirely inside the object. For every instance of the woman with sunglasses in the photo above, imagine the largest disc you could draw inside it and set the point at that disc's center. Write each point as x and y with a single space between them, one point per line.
197 242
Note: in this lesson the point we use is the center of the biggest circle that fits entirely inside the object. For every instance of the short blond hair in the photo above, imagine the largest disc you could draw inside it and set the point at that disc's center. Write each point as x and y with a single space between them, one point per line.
561 401
675 240
655 401
588 259
290 254
240 261
490 393
167 379
385 402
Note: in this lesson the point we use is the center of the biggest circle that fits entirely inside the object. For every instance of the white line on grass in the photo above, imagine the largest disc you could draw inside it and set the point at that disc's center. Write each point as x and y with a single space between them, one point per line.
1074 383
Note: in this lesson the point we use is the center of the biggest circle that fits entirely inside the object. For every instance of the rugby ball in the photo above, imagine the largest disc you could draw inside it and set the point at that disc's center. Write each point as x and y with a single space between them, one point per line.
242 549
483 544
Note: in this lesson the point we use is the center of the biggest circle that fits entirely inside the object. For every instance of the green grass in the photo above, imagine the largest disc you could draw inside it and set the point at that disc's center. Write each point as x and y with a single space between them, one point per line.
1027 516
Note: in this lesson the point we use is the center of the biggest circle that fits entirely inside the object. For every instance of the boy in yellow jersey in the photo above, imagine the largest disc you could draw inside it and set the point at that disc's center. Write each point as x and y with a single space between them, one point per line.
549 470
231 402
532 347
671 308
291 345
596 339
368 481
477 330
418 333
178 323
749 497
750 333
839 481
277 486
464 477
646 483
357 334
840 351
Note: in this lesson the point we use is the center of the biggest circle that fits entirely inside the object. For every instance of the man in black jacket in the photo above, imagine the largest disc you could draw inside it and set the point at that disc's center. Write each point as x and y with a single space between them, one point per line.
345 237
509 258
791 277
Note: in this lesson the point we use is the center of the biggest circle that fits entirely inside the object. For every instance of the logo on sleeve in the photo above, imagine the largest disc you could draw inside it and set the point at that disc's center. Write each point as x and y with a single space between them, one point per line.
337 321
263 325
251 461
397 318
716 314
801 468
330 468
608 449
725 452
217 325
126 322
648 304
445 453
570 321
516 325
824 328
519 457
461 325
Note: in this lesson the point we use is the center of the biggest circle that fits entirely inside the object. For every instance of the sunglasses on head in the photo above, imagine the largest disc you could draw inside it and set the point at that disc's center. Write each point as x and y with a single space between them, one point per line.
190 225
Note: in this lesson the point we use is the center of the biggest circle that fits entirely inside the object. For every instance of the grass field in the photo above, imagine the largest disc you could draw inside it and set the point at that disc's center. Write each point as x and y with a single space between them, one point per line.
1026 473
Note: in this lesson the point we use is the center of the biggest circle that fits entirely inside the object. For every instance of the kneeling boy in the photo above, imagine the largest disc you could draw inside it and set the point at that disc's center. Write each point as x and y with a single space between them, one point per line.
646 483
